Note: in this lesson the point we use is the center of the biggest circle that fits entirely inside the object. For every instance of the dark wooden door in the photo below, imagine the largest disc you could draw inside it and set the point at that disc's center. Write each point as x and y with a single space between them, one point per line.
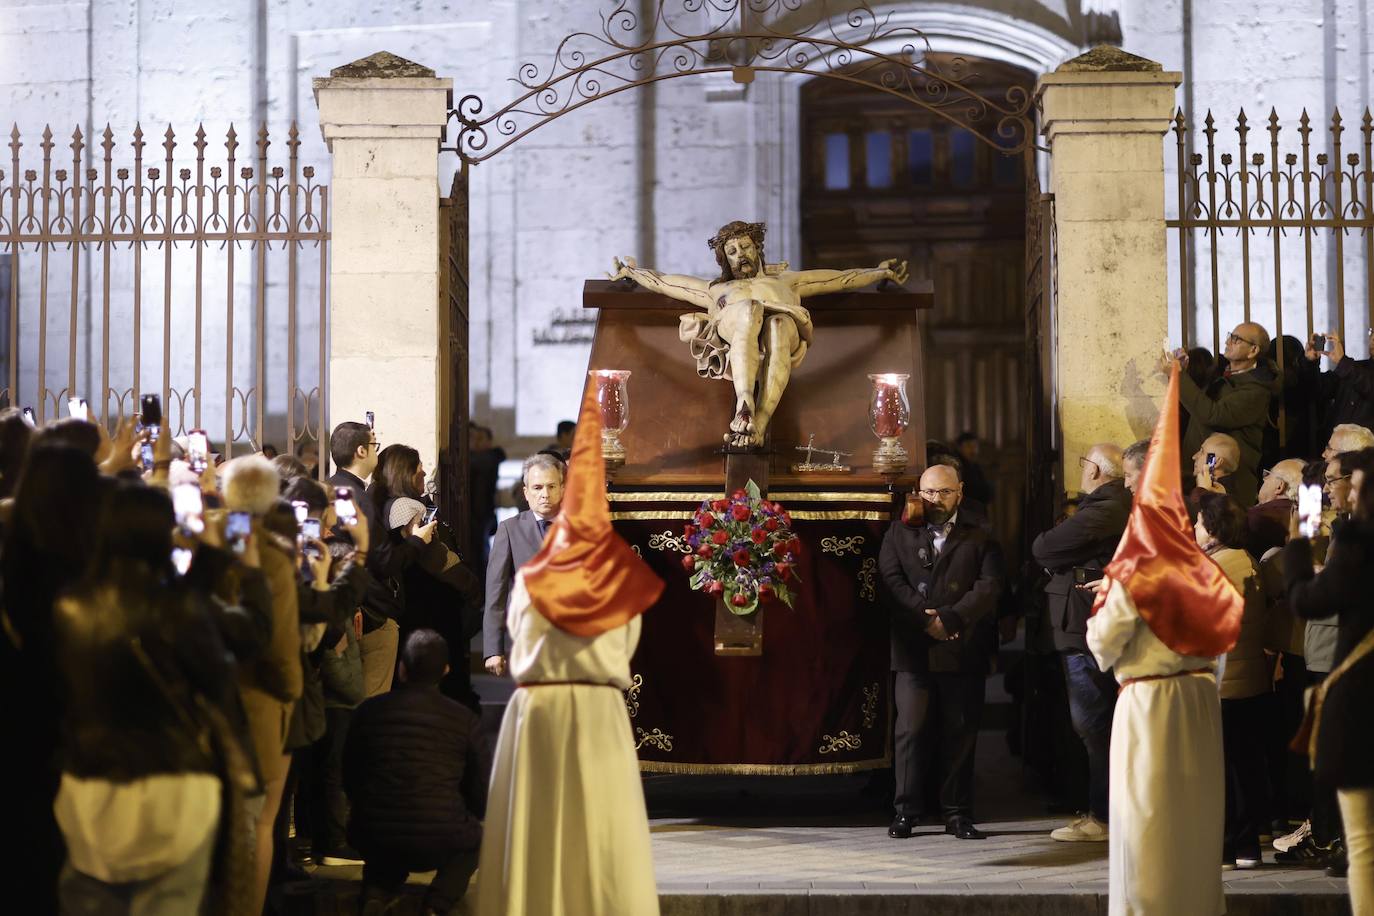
454 499
883 178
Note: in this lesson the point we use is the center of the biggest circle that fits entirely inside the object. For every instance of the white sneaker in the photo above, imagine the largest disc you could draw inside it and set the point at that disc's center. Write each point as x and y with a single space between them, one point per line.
1287 842
1087 829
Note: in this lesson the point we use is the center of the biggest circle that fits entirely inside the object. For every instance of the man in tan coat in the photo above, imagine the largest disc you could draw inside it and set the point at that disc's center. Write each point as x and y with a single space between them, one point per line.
271 683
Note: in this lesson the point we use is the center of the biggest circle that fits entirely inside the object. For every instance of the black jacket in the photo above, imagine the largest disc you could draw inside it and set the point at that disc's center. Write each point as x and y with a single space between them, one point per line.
1088 538
416 776
387 558
1346 395
1345 749
962 584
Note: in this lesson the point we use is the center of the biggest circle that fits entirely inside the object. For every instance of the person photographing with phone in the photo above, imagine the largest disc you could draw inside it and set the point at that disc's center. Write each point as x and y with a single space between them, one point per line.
1341 744
1237 404
354 449
441 590
1345 392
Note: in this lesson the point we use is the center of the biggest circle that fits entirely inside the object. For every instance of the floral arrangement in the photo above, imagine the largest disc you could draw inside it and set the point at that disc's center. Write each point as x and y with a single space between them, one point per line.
743 548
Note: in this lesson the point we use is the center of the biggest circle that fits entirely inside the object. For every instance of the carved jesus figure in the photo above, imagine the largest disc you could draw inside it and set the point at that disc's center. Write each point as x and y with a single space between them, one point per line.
752 328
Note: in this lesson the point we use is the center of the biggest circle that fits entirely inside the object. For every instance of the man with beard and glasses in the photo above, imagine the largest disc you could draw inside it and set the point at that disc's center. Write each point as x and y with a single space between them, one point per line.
942 575
753 329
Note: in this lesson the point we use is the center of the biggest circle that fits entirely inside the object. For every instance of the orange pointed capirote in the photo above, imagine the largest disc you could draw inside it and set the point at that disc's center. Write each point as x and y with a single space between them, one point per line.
1182 595
586 579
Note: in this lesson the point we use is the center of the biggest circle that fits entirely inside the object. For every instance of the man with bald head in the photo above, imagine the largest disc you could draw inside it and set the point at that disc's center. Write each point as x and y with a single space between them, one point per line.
1215 466
1268 518
1237 404
1074 553
941 575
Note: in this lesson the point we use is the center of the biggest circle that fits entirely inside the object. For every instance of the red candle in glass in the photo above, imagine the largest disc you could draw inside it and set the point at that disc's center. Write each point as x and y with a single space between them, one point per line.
888 411
613 397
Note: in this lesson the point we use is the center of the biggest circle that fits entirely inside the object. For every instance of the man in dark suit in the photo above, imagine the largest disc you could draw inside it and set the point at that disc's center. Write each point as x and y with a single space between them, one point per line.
353 448
1074 553
517 540
942 577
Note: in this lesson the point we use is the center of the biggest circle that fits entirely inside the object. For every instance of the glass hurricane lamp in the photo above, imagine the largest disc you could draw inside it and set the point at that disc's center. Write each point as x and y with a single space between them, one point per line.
613 397
889 415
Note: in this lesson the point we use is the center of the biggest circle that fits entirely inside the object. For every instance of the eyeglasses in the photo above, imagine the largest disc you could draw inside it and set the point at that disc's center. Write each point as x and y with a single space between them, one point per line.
938 494
1236 338
373 443
1085 462
1331 480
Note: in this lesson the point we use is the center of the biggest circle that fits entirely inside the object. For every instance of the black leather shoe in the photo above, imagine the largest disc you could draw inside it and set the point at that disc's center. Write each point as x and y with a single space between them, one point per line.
901 826
963 828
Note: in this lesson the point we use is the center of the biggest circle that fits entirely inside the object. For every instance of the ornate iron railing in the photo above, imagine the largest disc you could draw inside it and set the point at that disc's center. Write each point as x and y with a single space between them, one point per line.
81 227
1279 203
741 37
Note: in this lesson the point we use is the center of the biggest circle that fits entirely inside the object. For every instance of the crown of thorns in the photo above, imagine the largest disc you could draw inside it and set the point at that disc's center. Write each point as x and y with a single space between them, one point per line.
734 230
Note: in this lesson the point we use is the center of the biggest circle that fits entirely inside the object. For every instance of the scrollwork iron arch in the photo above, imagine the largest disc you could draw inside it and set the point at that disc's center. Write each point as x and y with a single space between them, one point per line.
741 37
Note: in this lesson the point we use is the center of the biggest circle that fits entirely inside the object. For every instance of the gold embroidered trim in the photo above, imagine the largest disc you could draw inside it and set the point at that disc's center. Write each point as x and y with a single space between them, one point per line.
844 741
870 707
669 496
655 738
761 769
664 496
840 546
884 498
803 515
632 695
867 576
669 541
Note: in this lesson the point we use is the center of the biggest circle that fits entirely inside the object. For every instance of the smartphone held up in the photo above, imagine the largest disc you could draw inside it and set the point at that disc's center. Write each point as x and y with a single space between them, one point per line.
1309 510
344 508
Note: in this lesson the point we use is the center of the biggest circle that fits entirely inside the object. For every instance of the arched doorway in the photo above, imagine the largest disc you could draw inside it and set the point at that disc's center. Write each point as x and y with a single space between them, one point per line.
883 179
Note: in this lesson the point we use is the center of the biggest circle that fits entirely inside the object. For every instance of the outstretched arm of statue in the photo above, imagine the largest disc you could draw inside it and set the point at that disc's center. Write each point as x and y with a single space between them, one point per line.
693 290
820 282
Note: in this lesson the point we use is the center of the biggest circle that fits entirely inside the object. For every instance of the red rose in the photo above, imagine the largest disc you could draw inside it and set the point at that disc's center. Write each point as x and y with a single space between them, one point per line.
739 494
689 563
740 600
794 544
786 519
704 550
739 513
758 535
720 537
714 587
765 590
779 548
741 557
689 530
720 505
770 524
706 519
785 571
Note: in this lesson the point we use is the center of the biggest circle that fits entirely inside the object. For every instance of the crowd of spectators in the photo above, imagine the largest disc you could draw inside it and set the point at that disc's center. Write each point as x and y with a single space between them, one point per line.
1279 479
209 652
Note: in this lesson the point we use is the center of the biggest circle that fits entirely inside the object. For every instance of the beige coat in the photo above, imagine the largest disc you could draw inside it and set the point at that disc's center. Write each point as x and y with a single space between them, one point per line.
1249 671
271 683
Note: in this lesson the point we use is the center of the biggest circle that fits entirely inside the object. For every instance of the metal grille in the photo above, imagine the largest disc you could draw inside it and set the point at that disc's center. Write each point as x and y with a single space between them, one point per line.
226 261
1273 221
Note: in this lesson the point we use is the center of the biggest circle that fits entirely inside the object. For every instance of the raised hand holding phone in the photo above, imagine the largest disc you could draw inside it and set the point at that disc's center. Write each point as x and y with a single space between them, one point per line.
1309 510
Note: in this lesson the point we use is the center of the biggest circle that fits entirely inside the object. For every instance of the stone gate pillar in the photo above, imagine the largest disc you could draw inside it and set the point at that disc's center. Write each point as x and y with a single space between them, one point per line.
1104 114
383 117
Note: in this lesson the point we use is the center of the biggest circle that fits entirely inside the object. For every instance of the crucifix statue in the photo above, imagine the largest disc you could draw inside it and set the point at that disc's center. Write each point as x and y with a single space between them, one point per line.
752 328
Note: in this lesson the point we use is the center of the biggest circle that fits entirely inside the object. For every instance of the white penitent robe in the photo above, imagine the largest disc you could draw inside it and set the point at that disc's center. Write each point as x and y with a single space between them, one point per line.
1168 796
566 831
